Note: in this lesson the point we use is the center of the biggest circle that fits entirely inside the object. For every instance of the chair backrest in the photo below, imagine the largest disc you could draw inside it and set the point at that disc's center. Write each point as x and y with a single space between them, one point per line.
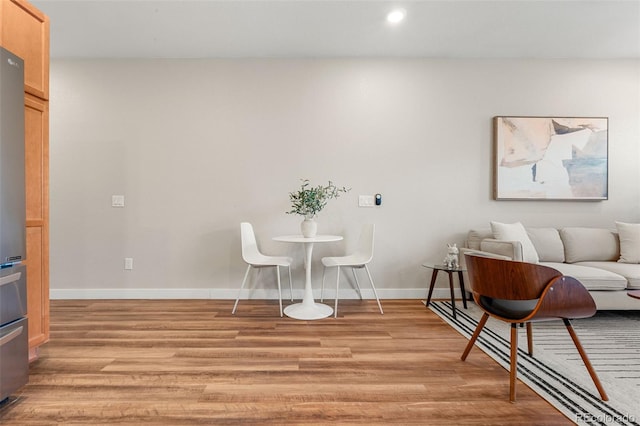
249 245
507 279
365 242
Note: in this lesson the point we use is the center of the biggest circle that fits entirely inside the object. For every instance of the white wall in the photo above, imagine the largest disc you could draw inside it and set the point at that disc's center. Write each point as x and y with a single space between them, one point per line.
197 146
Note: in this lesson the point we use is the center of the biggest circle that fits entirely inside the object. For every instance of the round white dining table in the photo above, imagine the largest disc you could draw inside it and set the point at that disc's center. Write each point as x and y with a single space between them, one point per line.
308 309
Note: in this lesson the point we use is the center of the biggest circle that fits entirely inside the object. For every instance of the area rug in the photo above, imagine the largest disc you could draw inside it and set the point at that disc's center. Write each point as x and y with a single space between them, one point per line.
556 371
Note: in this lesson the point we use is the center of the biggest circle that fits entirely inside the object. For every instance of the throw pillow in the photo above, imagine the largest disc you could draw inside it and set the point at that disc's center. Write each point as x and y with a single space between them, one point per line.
547 243
516 232
475 237
629 242
583 244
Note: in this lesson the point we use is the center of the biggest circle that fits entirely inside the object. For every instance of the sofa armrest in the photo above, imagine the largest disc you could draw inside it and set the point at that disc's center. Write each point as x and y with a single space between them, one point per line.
464 251
510 249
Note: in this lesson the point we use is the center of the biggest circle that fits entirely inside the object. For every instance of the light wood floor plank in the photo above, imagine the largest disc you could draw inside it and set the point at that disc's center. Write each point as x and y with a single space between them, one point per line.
185 362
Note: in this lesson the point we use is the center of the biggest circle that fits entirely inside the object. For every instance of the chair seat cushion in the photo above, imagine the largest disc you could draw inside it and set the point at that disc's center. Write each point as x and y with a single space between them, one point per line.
352 260
262 261
511 309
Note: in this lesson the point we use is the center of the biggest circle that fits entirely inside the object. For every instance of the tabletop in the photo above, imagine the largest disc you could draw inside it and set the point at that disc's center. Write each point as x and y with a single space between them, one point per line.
443 267
301 239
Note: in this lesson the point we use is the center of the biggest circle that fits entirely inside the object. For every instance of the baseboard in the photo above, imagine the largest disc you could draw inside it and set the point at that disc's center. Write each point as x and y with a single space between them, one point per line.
221 294
130 293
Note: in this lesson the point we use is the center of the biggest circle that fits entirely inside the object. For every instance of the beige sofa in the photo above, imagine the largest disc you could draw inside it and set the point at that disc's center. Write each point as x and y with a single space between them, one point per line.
592 255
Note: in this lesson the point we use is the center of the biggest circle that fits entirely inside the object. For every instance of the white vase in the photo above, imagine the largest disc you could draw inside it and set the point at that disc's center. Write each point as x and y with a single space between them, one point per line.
309 227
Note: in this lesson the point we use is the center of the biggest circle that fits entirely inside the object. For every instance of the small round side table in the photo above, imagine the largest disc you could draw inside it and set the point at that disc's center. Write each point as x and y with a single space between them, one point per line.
449 271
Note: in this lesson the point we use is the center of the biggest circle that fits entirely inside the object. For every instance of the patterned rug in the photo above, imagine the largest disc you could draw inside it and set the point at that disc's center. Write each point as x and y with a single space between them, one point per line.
556 371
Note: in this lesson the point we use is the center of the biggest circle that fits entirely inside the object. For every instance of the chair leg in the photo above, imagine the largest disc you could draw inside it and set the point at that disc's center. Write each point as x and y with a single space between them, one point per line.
324 270
374 288
585 359
335 308
513 367
355 277
530 338
235 305
279 288
476 333
290 284
462 289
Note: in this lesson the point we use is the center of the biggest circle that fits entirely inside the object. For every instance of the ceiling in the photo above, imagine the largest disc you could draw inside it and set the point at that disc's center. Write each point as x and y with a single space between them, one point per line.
325 28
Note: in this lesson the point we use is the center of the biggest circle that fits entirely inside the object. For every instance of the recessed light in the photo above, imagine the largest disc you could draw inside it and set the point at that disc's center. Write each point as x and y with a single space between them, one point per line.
396 16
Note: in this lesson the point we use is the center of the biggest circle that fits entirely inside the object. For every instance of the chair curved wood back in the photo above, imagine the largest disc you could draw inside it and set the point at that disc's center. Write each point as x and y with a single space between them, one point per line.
519 292
508 279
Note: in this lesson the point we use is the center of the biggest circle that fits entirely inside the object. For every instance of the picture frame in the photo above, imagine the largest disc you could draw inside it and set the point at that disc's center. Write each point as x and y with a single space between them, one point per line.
551 158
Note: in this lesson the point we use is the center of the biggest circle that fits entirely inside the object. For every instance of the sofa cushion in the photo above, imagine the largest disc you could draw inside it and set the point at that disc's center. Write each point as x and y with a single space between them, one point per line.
589 244
475 237
547 243
516 232
614 301
629 234
631 272
592 278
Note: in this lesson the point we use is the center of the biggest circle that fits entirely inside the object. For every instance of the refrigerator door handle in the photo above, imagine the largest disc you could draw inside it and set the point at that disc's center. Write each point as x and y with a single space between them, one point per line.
10 278
9 337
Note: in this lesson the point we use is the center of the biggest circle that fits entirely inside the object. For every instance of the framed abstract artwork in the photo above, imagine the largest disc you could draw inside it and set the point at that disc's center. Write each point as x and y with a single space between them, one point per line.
550 158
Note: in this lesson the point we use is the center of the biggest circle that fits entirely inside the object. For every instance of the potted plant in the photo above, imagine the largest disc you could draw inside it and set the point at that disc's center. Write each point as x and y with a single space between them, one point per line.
309 200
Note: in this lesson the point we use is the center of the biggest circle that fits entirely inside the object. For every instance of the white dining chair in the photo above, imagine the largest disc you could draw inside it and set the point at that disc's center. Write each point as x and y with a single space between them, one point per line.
358 260
255 259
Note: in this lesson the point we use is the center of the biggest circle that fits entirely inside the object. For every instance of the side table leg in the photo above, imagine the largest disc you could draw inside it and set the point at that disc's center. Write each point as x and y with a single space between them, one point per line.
453 299
464 293
433 282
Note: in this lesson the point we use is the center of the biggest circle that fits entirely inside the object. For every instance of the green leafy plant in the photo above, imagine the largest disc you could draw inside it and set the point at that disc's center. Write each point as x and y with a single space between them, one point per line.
309 200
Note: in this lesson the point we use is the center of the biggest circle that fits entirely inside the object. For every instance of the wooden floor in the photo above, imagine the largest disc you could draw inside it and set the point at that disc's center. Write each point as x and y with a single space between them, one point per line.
180 362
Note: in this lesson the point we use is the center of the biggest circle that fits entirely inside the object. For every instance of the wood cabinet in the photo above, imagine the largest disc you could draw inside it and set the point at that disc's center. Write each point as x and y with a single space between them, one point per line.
37 200
24 30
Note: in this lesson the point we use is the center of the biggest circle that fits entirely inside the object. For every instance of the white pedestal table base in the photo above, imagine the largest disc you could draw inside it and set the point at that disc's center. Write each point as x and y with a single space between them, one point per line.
308 309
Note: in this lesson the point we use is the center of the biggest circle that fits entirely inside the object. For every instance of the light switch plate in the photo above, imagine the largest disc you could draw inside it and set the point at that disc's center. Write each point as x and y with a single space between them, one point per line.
366 201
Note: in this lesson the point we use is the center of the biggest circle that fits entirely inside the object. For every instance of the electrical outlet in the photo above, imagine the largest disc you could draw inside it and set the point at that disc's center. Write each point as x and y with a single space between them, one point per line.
128 263
117 201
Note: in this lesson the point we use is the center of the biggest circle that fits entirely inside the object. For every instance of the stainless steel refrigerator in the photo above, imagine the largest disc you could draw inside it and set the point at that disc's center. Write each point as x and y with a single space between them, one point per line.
14 345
